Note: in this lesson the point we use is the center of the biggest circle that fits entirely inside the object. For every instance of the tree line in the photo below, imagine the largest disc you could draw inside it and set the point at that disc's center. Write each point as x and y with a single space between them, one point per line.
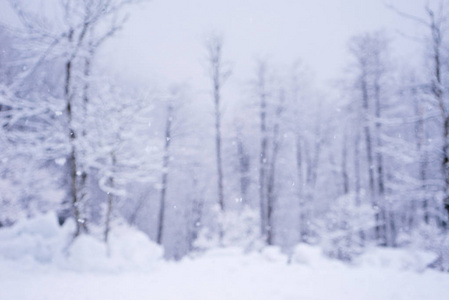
366 164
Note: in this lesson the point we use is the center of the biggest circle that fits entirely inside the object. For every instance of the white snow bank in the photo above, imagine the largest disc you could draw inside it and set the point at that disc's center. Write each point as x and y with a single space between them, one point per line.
39 239
307 255
399 259
42 241
128 249
302 254
223 252
270 254
274 254
384 258
218 274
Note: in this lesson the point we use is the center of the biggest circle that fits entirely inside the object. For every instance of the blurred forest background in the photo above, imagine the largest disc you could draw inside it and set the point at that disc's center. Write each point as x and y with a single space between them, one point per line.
364 165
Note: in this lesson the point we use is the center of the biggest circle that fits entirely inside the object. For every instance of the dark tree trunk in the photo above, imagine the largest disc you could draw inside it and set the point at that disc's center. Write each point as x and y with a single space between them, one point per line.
344 165
271 180
164 181
263 147
80 222
244 168
110 205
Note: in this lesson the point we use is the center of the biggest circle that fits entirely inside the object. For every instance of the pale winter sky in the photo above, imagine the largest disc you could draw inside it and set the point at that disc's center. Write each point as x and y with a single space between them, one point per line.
164 38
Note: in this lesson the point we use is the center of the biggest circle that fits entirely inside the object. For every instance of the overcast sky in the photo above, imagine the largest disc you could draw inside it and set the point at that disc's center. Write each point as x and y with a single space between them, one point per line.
164 38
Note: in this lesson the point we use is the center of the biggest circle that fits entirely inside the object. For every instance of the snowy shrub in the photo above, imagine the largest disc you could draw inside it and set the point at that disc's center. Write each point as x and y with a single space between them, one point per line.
27 192
41 240
127 249
431 238
399 259
239 229
207 239
442 250
8 202
346 225
306 254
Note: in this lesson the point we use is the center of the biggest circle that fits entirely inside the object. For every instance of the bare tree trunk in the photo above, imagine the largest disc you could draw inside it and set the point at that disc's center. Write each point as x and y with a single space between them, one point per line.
299 160
218 76
81 225
379 156
301 200
344 165
111 197
316 156
135 213
299 163
263 146
445 168
384 218
311 156
270 194
164 181
357 183
313 159
357 168
271 180
80 222
367 131
244 168
369 151
420 137
437 90
82 189
218 145
196 213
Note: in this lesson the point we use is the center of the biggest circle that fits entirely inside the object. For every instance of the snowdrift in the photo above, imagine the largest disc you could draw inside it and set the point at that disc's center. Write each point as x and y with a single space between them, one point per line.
398 259
42 241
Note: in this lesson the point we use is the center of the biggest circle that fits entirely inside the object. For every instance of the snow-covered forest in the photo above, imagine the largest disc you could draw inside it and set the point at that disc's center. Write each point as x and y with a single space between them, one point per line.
275 162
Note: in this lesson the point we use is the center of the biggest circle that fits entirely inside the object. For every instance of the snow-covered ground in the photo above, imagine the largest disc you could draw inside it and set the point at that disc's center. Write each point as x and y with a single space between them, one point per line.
135 270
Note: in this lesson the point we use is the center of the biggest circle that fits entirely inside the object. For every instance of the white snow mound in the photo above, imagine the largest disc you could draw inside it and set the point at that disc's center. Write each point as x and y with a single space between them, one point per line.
42 241
309 255
399 259
39 239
